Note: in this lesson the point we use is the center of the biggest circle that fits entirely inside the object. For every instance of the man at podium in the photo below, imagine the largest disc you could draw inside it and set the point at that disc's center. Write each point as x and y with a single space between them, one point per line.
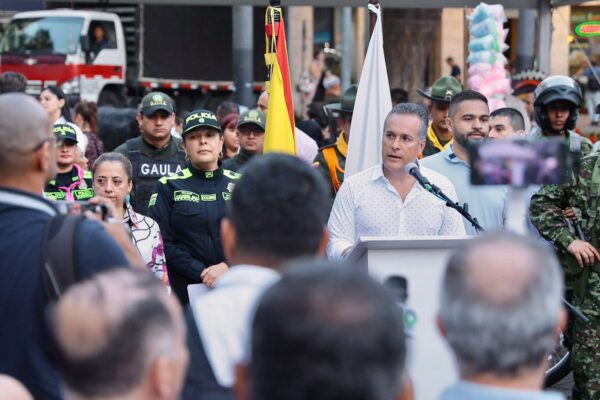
387 200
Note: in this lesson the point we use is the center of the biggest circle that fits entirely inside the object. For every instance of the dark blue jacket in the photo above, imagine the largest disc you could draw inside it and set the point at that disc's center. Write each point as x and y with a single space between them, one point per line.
188 207
24 337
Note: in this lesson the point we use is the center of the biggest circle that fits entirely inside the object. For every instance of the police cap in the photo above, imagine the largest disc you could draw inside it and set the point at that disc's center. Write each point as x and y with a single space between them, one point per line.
154 101
200 119
64 132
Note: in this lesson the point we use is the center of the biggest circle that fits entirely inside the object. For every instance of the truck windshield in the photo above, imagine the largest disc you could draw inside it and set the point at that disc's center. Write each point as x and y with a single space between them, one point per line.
55 35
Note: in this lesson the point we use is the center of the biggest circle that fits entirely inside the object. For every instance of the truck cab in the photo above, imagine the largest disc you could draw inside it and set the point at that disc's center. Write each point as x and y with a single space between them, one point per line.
82 52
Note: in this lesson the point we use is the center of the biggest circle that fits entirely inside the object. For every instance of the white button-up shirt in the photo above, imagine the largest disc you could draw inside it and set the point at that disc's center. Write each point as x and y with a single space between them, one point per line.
368 205
224 317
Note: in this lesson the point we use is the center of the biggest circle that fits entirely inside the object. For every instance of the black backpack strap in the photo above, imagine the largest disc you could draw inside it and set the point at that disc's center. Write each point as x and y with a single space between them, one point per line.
59 269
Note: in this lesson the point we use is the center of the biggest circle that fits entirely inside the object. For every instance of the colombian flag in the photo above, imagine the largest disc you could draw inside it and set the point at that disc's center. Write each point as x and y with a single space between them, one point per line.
279 134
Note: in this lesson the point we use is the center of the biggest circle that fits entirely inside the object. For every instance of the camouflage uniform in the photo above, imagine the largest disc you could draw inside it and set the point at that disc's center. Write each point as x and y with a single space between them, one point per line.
583 194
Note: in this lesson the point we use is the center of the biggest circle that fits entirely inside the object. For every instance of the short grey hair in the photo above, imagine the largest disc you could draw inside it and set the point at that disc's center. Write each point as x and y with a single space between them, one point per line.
408 109
23 125
132 326
501 326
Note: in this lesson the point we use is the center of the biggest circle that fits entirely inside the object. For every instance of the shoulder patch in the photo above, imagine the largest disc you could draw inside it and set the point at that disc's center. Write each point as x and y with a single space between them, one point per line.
152 201
231 174
183 174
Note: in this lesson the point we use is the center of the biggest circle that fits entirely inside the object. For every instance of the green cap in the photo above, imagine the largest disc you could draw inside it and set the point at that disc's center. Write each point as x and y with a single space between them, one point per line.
346 105
200 119
64 132
254 117
154 101
444 89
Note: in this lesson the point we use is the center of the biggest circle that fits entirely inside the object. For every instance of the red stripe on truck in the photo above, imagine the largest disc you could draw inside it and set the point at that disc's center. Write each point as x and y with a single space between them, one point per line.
63 73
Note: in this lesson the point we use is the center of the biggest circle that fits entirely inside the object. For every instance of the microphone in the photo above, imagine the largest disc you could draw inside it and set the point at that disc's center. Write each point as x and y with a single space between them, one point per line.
413 169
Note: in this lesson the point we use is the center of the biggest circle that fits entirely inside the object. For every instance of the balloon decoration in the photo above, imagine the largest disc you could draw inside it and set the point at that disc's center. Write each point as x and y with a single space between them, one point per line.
487 74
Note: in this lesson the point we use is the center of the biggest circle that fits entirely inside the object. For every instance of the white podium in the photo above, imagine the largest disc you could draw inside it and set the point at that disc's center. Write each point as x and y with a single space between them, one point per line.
420 262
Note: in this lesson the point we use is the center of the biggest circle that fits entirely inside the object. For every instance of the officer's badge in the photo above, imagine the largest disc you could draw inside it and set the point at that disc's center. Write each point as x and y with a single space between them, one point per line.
230 186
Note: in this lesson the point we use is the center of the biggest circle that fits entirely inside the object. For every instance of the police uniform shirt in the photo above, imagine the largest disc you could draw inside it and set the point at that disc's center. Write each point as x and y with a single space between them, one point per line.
149 164
83 191
188 207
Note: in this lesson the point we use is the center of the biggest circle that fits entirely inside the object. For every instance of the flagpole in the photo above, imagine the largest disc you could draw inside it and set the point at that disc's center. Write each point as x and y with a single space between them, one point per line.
372 17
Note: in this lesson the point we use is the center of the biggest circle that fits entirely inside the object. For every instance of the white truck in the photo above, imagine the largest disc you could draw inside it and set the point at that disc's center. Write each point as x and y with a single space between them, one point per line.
185 51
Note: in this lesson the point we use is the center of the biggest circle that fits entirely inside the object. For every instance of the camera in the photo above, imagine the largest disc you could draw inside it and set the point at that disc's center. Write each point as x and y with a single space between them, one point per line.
80 207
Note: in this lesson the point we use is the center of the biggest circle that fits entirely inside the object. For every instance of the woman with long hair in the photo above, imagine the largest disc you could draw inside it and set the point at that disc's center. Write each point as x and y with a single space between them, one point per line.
54 101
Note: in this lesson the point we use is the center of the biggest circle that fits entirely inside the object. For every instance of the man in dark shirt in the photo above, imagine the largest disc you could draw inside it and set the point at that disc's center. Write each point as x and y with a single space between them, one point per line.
251 132
455 69
27 162
155 153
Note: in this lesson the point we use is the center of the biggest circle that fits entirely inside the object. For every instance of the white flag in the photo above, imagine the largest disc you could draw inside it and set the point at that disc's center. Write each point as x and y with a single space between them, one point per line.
372 105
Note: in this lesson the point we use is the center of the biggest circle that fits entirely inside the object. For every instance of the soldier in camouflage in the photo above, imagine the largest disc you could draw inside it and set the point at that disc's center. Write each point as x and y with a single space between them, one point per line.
581 263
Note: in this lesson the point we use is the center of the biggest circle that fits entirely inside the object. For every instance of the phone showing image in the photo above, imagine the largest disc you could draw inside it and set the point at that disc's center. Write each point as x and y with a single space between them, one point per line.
521 162
80 207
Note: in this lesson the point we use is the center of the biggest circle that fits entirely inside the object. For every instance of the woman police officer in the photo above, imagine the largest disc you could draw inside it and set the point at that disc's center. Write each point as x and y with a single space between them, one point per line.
189 207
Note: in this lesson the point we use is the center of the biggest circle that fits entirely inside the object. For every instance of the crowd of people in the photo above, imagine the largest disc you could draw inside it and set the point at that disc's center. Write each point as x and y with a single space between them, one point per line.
190 265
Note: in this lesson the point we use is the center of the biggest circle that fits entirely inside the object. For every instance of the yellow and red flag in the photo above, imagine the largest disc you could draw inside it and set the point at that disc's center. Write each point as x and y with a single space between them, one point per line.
280 128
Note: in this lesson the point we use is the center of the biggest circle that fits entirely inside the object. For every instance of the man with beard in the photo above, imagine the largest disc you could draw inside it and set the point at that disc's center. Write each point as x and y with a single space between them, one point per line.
469 120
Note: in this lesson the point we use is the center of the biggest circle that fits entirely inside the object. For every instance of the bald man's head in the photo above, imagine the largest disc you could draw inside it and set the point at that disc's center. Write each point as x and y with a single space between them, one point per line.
263 101
12 389
501 304
24 124
112 328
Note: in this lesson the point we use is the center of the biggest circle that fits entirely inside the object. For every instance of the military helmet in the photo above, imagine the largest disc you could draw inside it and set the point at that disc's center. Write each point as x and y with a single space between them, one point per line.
554 88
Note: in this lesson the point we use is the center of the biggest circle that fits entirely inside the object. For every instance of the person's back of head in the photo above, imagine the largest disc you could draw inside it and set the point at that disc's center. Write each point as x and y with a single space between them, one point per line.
278 212
24 130
226 108
120 334
327 333
12 82
12 389
500 306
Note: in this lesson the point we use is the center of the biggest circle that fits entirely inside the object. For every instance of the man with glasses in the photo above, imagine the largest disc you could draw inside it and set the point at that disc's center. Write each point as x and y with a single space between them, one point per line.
28 160
331 159
251 133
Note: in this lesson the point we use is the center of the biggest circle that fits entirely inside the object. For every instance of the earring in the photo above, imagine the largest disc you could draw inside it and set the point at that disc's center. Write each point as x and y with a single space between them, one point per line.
220 154
127 199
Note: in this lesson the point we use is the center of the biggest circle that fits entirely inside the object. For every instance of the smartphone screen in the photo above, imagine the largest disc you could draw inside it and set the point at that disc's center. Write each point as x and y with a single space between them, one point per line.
520 162
80 207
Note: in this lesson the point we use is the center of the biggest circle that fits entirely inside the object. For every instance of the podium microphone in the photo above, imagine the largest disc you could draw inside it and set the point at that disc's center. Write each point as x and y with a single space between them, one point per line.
413 169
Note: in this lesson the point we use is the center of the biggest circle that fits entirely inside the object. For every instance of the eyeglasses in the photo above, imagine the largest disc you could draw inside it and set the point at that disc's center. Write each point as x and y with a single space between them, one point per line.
43 142
247 131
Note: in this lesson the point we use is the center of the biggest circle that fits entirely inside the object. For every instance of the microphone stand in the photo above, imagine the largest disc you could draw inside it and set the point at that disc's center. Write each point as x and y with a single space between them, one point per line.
462 210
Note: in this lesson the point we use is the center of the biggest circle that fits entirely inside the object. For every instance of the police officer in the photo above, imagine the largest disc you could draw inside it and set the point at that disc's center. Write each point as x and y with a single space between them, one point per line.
155 153
189 206
331 159
251 133
72 182
556 108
